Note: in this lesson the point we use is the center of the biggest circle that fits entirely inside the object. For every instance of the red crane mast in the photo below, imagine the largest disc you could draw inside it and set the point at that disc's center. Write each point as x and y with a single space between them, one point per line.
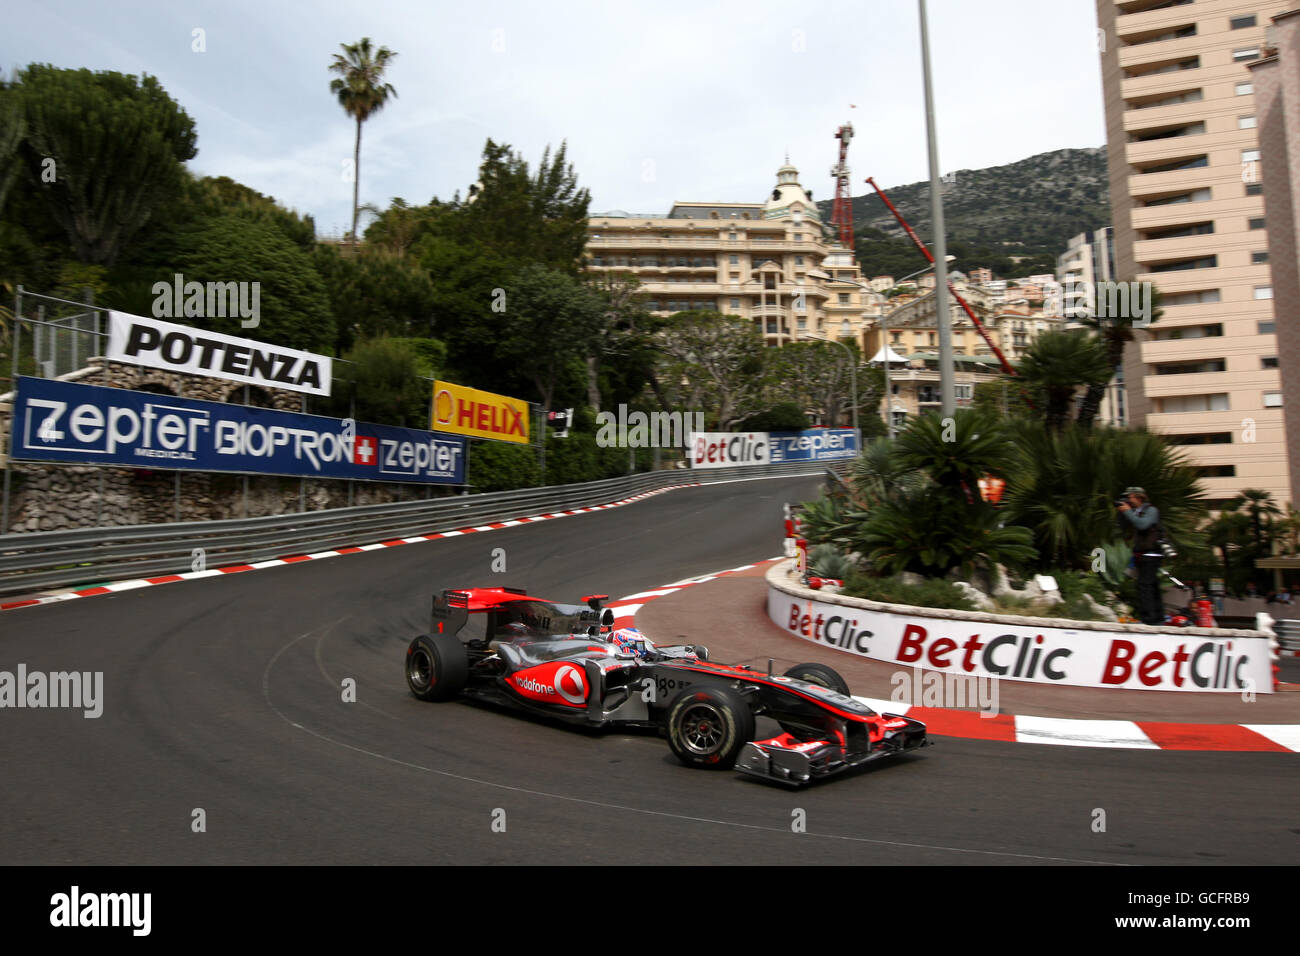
1006 366
842 211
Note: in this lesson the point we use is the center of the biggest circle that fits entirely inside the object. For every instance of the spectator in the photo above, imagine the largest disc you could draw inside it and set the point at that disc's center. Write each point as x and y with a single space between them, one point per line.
1143 518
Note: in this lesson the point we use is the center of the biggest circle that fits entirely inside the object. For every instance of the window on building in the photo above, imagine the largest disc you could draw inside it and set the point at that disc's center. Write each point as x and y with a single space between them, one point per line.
798 260
1203 438
1189 368
1180 265
1258 258
1272 399
1180 404
1194 162
1254 189
1245 53
735 303
1178 232
1245 122
1198 195
735 260
1244 89
1257 223
1191 298
731 236
1263 292
843 298
1264 328
963 393
1240 23
1250 155
1268 361
1216 471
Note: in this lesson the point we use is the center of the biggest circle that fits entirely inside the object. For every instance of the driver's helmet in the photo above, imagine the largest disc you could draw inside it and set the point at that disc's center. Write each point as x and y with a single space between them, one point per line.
630 641
514 631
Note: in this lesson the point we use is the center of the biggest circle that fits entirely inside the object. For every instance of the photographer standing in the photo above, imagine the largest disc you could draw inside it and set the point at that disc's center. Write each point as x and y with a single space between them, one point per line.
1144 517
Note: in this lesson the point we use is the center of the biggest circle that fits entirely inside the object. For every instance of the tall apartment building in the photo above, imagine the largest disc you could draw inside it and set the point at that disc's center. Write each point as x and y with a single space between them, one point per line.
1276 78
1089 258
745 259
1187 196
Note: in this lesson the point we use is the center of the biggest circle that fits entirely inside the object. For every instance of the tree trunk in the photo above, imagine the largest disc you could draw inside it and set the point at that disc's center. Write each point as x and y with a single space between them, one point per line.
1092 399
593 382
356 185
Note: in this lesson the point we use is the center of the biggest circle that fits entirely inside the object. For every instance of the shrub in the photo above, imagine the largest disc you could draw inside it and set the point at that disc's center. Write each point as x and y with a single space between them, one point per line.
893 590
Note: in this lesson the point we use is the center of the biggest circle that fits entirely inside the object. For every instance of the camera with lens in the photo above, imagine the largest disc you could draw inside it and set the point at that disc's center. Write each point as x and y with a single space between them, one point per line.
1120 502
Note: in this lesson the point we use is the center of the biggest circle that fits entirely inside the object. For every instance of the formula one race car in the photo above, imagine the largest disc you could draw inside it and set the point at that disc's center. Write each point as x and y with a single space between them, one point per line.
568 662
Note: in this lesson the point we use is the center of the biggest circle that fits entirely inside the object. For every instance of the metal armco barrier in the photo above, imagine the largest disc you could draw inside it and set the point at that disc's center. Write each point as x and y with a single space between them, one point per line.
38 560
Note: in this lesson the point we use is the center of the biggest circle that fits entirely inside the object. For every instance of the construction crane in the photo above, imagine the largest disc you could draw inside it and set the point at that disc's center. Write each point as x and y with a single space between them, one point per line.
1006 366
842 211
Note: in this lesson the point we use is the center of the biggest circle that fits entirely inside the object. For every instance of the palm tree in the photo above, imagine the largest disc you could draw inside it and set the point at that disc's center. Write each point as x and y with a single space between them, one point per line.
1063 487
361 94
1116 332
1259 503
1226 532
1059 362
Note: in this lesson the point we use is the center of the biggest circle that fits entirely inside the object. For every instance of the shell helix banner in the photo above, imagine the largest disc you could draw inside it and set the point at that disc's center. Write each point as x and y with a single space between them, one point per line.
478 414
93 424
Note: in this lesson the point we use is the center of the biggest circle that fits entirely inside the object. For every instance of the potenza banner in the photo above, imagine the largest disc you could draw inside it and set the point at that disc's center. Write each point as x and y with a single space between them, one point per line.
815 444
478 414
728 449
190 351
63 421
1184 661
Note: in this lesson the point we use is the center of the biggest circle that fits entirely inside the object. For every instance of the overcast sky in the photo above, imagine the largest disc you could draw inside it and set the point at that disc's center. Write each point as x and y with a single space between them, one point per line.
659 101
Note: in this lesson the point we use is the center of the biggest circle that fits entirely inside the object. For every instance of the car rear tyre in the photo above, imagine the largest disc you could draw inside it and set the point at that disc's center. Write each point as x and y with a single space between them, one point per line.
708 726
437 667
827 677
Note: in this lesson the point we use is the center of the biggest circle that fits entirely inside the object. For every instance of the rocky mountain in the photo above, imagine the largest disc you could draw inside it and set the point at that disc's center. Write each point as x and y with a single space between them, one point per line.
1015 219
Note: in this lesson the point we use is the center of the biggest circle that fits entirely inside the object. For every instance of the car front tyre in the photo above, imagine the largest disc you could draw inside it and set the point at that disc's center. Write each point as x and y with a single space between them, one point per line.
708 726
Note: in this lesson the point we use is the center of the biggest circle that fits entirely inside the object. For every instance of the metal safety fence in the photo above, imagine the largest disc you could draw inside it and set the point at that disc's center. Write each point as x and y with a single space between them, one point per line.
35 561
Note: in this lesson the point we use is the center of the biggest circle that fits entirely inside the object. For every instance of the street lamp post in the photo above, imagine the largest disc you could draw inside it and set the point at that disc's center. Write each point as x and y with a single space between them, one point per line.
940 241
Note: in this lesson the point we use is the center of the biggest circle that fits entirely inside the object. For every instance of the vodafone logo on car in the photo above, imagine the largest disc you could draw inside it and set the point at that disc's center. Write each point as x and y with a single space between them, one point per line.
554 683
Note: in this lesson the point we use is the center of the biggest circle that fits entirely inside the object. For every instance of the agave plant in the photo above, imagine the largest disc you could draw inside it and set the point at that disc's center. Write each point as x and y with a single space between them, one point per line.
827 561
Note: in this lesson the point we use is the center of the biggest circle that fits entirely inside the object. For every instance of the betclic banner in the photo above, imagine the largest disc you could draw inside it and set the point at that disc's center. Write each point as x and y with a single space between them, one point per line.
190 351
93 424
1186 660
729 449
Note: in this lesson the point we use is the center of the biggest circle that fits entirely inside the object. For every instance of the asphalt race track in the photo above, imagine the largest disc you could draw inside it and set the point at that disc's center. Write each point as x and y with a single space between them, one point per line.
225 694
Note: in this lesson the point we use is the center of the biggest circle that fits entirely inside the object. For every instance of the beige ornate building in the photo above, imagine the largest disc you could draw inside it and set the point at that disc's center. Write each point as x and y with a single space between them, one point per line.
745 259
754 260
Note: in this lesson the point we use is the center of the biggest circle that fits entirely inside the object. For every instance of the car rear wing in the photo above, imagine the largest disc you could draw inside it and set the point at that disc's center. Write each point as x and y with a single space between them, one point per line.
450 612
